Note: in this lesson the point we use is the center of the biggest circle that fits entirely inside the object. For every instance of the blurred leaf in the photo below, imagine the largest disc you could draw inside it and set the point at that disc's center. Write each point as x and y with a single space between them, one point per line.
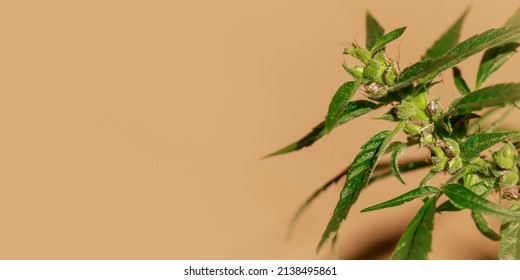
394 158
387 38
314 195
474 144
339 104
447 40
358 178
514 19
483 227
460 83
353 110
495 57
416 241
426 70
374 31
409 196
406 167
460 195
510 242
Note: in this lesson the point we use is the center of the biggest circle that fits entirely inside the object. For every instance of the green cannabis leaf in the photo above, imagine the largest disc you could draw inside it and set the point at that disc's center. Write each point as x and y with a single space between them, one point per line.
459 141
374 31
399 149
468 199
493 59
353 110
497 56
510 242
483 226
425 71
415 243
475 144
460 83
409 196
339 104
497 95
387 38
447 40
357 179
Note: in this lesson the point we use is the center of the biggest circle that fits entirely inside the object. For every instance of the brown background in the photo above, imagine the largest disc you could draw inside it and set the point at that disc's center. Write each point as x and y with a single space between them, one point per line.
134 129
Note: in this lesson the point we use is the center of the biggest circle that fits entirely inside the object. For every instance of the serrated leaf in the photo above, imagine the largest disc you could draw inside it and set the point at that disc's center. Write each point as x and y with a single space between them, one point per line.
460 83
461 196
353 110
424 71
447 40
483 227
409 196
387 38
510 242
416 241
394 158
374 31
358 178
474 144
493 59
339 104
497 56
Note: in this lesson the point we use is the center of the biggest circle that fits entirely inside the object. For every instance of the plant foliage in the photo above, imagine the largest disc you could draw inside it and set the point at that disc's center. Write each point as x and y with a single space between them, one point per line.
462 143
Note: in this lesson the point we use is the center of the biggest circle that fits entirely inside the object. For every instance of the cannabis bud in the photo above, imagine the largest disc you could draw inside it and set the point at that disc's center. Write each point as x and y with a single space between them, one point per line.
405 110
376 90
505 157
434 109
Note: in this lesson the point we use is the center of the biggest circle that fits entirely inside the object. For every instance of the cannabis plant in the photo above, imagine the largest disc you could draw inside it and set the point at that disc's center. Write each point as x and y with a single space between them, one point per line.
463 140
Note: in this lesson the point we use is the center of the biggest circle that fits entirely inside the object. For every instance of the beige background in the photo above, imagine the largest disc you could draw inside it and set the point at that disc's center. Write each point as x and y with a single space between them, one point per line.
134 129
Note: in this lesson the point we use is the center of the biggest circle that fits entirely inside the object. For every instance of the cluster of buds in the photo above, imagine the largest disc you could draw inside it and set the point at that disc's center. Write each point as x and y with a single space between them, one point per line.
505 168
377 73
425 113
446 156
